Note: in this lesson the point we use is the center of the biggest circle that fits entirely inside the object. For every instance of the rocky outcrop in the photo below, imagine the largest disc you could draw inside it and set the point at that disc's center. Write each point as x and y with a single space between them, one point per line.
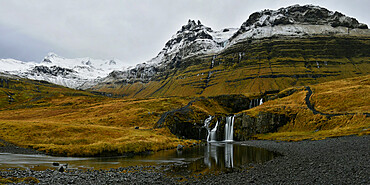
245 126
298 15
192 123
52 70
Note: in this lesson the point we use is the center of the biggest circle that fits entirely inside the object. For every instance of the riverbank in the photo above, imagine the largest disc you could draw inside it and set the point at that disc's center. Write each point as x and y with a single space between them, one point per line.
343 160
6 147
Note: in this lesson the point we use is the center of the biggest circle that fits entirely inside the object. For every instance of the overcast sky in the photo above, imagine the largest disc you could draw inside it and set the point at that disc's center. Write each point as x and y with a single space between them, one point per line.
133 31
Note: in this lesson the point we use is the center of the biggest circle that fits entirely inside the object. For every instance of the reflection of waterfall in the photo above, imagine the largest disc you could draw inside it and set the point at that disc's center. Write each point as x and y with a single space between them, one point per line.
218 155
229 155
212 133
210 153
229 128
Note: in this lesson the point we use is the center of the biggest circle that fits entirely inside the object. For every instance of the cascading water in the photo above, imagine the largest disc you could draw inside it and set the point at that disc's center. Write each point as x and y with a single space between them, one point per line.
212 134
229 129
255 102
206 125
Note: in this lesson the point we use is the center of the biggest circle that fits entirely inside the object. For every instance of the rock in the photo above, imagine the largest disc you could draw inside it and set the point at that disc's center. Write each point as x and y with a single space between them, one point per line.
136 127
246 126
61 169
296 14
180 147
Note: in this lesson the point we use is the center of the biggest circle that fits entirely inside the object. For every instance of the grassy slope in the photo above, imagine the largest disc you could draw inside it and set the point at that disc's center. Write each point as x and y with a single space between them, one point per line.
63 121
269 64
342 96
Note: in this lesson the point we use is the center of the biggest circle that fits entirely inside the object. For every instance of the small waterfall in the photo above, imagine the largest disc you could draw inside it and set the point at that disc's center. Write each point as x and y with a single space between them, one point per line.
229 129
213 61
206 125
255 102
212 134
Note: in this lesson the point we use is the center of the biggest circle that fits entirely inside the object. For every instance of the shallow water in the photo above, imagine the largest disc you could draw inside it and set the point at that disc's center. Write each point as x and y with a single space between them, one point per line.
215 157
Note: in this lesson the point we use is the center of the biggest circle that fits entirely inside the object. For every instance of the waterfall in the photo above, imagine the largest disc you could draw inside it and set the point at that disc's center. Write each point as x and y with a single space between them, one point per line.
212 134
229 128
206 122
206 125
213 61
255 102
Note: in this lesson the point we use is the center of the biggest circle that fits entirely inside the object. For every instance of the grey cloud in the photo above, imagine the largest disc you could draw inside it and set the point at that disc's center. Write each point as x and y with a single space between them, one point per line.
132 31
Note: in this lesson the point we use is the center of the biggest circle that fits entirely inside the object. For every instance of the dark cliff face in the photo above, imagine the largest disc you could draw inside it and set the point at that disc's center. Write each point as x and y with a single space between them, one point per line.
53 70
189 122
246 126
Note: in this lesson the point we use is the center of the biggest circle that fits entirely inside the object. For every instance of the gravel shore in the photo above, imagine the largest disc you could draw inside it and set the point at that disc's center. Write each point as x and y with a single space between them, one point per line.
343 160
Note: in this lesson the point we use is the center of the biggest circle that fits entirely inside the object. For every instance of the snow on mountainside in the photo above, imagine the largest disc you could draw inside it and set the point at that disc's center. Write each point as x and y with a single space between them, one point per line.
74 73
196 39
192 39
296 20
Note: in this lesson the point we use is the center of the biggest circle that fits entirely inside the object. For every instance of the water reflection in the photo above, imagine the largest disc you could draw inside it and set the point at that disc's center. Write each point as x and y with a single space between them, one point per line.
219 156
211 157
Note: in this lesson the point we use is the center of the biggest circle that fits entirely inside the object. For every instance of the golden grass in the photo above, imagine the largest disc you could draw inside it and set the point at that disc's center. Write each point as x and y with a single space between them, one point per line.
67 122
62 121
342 96
86 140
350 125
16 180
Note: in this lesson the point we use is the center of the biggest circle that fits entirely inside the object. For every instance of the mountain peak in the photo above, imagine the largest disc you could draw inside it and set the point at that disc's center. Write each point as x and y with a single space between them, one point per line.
193 25
296 20
297 14
51 54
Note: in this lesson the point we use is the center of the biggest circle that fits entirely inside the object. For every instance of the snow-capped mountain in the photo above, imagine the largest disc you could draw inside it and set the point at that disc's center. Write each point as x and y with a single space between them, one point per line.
296 20
74 73
196 39
192 39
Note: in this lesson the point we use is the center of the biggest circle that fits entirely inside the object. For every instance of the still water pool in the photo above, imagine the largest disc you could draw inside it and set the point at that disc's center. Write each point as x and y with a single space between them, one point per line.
215 157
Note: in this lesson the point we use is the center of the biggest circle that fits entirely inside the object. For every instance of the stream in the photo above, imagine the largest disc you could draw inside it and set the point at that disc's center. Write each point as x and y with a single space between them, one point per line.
213 157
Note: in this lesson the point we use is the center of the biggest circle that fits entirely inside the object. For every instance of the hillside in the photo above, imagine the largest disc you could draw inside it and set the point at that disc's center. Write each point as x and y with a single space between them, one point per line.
68 122
271 51
300 72
256 66
329 109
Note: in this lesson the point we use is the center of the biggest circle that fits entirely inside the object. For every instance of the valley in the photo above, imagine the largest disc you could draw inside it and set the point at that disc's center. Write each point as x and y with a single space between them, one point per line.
287 80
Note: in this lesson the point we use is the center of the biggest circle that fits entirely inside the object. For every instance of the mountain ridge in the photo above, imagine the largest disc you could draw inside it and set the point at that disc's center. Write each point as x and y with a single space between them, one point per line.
193 41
